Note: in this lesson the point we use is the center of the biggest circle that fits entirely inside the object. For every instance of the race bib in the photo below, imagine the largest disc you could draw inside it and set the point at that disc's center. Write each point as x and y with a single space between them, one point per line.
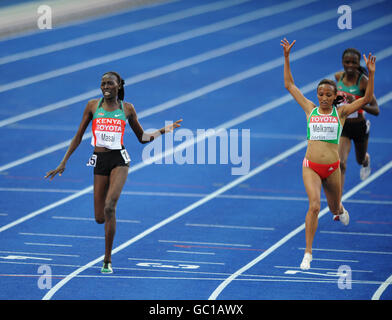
92 162
323 128
125 156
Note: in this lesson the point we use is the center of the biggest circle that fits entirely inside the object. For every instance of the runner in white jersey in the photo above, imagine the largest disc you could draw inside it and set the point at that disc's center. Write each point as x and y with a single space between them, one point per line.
321 164
110 158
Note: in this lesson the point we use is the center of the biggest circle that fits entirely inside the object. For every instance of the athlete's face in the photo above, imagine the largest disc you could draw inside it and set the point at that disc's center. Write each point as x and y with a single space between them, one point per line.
326 95
109 86
350 63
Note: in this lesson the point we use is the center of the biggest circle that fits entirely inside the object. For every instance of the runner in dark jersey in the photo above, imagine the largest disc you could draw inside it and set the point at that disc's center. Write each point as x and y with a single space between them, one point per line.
351 84
110 158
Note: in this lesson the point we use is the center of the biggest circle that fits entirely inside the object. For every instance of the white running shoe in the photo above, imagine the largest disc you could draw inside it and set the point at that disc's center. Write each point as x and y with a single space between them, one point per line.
344 218
364 172
305 264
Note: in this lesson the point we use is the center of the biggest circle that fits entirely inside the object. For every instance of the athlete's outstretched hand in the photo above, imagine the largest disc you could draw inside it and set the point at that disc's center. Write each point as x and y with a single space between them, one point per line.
52 173
172 126
370 63
286 46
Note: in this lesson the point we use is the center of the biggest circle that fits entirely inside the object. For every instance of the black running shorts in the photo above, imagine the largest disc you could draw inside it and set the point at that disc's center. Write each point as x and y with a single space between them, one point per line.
357 131
105 162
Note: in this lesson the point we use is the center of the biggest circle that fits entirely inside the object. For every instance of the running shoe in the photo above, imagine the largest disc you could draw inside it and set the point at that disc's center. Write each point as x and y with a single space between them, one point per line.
107 268
364 172
344 218
305 264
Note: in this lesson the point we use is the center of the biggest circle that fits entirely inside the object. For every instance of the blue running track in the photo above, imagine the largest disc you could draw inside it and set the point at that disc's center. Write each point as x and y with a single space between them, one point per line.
191 231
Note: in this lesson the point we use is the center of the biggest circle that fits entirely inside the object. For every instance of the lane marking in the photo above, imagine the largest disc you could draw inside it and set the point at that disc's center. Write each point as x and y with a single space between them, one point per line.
185 98
335 260
180 261
208 243
226 226
246 276
327 281
59 235
351 251
190 252
43 254
188 97
15 257
138 26
299 229
156 44
219 248
322 269
47 244
195 195
358 233
175 66
182 212
382 288
92 219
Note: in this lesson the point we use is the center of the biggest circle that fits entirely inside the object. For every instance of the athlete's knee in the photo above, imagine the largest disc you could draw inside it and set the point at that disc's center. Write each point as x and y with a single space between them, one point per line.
314 207
110 208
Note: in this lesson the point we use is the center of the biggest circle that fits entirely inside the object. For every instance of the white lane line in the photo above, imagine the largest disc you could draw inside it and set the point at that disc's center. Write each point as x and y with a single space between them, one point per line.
43 254
183 63
153 45
188 195
149 23
182 212
245 276
138 166
185 98
190 252
358 233
323 269
336 260
92 219
351 251
246 116
381 289
180 261
59 235
227 227
39 190
297 280
209 243
81 21
47 244
299 229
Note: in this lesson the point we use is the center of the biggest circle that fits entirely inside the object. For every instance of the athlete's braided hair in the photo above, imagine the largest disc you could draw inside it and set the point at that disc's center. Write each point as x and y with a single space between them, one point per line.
332 83
361 69
121 83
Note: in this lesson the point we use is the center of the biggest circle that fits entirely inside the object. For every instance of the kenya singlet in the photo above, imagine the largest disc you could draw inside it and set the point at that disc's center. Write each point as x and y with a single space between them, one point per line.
353 91
108 127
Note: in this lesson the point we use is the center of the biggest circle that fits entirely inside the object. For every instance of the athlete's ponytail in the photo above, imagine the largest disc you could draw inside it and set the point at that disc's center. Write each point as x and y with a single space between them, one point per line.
121 82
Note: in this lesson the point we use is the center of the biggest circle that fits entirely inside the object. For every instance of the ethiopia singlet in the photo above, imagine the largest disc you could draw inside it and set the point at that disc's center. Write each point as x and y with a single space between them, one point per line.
324 127
108 127
353 91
